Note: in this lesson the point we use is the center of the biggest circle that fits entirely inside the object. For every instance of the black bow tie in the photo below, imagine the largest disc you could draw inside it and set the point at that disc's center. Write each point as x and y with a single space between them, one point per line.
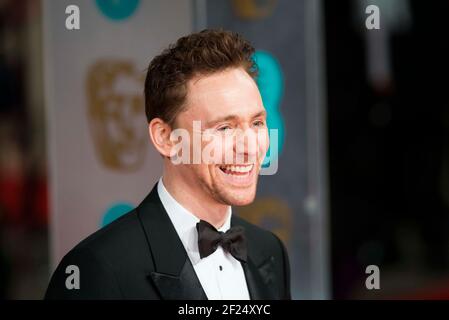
232 241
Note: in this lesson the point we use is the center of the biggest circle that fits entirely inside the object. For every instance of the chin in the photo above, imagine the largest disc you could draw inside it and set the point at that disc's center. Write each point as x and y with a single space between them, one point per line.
238 197
236 185
230 185
242 202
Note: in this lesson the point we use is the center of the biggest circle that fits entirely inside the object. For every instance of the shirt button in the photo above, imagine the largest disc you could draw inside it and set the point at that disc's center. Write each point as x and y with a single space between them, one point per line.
221 268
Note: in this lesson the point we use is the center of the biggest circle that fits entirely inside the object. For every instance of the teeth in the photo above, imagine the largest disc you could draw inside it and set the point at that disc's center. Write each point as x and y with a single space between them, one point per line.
239 169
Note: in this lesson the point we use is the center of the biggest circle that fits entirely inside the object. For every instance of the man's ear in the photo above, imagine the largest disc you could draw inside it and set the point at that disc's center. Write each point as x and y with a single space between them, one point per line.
160 132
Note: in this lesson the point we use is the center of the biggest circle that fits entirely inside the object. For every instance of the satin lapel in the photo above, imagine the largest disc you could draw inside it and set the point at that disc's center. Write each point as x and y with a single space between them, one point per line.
259 272
173 274
185 286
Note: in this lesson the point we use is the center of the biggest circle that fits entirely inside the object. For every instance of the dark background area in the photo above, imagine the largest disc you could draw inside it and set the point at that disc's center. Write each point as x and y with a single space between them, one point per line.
388 155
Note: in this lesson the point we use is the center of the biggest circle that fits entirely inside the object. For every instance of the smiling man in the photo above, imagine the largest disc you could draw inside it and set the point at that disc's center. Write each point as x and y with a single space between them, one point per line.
183 242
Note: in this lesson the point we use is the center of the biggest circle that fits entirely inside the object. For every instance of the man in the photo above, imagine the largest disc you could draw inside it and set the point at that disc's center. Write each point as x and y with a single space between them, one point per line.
182 241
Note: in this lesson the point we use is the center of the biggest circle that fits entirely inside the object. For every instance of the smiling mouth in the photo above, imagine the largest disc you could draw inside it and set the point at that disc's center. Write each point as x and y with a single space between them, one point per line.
237 170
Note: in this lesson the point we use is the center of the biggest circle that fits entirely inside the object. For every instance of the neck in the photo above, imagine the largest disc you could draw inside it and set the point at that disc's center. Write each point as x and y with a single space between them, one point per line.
203 206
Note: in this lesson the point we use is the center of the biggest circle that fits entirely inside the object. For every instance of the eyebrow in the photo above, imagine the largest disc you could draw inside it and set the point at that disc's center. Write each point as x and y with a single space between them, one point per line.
233 117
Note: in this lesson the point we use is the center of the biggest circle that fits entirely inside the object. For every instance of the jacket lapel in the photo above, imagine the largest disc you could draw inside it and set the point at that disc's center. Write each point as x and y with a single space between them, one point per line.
184 286
173 275
259 272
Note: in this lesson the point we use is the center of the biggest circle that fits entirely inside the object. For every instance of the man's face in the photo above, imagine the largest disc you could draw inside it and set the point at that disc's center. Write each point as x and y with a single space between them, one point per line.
229 106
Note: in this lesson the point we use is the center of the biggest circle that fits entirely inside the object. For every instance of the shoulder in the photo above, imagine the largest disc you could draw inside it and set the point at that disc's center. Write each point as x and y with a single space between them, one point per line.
265 243
115 236
121 243
102 260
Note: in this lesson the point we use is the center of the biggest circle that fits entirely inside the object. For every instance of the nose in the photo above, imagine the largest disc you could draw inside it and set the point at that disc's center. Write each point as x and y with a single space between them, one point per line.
246 146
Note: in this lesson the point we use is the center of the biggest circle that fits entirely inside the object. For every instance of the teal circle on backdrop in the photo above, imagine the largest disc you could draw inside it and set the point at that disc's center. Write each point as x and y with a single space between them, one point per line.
117 9
115 211
271 86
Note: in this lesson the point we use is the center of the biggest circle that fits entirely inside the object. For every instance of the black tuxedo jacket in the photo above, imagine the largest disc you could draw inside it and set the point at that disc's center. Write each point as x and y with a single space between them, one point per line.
140 256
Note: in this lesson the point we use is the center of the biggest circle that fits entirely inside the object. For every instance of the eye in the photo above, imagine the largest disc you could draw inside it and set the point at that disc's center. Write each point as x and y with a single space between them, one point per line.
259 123
224 128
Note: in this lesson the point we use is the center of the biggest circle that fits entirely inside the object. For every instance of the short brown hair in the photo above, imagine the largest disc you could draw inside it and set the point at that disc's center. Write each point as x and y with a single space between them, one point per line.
205 52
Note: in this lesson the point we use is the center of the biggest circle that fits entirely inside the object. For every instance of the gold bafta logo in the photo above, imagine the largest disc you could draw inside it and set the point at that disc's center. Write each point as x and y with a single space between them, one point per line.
272 211
115 114
253 9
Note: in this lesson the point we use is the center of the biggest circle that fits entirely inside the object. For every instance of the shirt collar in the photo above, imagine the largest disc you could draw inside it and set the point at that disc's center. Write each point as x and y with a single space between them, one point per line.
184 221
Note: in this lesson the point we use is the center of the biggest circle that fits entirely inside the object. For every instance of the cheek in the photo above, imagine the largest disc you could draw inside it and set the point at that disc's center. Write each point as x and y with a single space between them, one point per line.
264 143
213 151
225 150
197 173
228 153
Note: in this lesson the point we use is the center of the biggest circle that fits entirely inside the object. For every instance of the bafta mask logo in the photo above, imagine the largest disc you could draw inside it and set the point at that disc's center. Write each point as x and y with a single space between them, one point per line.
253 9
271 213
116 114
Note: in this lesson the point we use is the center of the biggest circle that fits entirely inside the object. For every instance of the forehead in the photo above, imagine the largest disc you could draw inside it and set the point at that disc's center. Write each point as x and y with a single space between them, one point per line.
232 91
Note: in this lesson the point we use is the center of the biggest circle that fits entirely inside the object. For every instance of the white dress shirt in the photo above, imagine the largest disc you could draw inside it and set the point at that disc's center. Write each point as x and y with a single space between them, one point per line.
220 274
